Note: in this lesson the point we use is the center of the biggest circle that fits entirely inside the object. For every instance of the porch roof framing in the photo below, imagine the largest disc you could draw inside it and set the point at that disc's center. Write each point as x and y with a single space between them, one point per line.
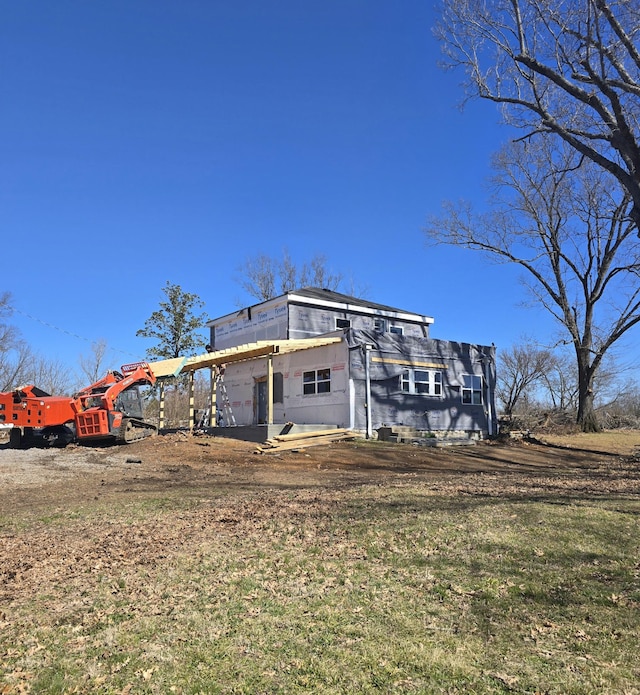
167 369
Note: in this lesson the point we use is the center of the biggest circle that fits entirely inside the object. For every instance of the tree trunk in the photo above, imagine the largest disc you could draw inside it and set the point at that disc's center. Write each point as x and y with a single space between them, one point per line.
587 419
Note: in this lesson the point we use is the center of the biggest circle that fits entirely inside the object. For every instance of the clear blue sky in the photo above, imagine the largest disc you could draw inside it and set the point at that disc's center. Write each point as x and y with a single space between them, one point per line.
151 141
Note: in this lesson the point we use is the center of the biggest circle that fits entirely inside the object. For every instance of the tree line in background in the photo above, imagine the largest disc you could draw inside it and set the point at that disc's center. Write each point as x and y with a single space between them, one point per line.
537 389
21 364
264 276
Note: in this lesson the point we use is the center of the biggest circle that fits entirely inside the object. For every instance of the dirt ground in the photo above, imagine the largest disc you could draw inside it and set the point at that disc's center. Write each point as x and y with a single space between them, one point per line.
36 479
216 485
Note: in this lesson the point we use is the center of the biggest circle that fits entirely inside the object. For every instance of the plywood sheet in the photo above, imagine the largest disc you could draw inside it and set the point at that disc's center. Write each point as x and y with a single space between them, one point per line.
167 368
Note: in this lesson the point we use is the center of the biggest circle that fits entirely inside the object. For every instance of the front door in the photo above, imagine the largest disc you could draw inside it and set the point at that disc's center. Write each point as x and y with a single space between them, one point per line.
261 401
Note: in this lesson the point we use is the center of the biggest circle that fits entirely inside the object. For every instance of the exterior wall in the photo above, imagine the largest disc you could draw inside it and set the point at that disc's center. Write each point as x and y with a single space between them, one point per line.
390 356
319 408
268 321
241 381
306 321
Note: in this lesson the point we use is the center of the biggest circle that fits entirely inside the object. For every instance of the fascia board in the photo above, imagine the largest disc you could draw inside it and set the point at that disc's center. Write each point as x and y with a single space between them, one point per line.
356 308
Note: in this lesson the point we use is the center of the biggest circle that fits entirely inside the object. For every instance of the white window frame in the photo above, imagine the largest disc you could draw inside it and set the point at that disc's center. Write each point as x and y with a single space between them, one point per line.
316 381
471 392
379 325
346 322
396 330
422 382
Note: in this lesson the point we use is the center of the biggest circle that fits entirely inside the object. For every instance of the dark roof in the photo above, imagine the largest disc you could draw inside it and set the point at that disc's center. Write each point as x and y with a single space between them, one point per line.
338 297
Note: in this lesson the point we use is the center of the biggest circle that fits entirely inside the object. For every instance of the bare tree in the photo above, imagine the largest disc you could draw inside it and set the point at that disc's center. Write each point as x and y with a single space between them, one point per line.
520 368
561 384
22 366
624 409
7 331
51 376
264 277
15 361
567 224
569 68
258 277
92 366
15 354
315 273
19 365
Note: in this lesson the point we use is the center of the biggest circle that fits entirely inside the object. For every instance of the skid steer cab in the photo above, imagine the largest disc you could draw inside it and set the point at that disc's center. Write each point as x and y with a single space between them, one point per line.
112 408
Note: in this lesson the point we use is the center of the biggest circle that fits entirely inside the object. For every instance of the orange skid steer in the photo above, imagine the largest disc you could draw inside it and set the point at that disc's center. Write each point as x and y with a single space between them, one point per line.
109 410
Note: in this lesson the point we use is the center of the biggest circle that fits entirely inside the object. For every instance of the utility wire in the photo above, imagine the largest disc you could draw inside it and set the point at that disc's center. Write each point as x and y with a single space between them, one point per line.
66 332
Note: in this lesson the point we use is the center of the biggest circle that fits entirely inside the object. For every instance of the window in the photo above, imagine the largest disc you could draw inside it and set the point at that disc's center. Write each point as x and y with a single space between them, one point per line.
421 381
379 325
396 329
471 389
343 323
316 381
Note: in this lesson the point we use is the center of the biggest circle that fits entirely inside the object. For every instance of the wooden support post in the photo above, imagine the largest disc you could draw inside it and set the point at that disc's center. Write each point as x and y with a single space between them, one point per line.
192 389
161 410
270 390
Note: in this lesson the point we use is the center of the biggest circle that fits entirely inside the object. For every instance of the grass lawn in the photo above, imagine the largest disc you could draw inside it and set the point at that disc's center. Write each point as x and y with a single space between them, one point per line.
400 588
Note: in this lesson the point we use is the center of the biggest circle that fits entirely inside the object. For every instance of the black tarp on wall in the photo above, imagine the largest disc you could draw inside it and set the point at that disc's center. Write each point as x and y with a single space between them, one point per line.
390 355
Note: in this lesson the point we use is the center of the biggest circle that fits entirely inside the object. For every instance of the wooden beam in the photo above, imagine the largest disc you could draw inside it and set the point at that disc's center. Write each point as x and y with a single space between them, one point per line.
192 411
275 445
337 431
161 408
